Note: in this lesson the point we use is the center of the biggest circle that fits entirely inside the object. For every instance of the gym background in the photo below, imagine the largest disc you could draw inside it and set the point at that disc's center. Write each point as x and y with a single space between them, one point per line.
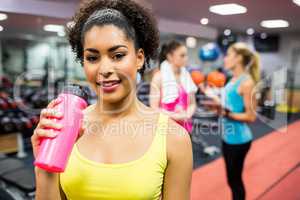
36 61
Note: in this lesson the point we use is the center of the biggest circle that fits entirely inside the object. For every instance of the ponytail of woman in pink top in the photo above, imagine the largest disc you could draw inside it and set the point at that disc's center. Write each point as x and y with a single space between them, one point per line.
172 89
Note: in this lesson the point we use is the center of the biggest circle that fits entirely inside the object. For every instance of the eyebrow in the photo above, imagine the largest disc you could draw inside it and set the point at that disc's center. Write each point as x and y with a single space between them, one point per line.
112 49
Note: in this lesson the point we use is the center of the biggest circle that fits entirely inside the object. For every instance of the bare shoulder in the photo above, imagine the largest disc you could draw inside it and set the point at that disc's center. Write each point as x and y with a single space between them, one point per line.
248 84
178 140
156 76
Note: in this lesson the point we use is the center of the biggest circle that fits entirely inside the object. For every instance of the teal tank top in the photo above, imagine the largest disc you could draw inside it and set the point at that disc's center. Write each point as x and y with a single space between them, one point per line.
235 132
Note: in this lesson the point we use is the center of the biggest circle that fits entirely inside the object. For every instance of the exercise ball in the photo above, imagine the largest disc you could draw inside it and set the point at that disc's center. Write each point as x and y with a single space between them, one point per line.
209 52
198 77
216 79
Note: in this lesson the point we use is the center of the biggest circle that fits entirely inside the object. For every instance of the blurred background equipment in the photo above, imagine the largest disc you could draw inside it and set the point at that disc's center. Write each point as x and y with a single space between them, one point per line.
197 77
36 61
226 39
209 52
216 79
266 42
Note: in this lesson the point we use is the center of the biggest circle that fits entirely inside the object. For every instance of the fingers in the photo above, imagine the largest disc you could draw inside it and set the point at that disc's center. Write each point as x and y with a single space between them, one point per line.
48 123
52 113
40 132
54 102
45 128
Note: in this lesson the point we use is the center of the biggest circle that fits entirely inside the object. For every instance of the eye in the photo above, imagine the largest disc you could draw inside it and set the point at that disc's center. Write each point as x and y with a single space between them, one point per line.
118 56
91 58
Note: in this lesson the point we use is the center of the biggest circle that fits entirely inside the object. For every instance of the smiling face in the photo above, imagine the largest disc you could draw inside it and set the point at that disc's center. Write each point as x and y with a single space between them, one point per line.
111 62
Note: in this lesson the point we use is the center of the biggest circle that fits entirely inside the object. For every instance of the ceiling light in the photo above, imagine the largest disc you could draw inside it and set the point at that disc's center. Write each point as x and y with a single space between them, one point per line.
227 32
61 34
204 21
297 2
263 35
3 16
53 28
228 9
191 42
1 28
250 31
277 23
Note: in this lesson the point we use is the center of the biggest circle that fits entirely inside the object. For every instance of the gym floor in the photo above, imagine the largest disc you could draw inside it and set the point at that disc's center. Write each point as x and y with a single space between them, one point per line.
271 171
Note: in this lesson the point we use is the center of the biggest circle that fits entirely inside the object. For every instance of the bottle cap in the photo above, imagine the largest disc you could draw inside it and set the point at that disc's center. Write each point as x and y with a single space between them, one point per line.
77 90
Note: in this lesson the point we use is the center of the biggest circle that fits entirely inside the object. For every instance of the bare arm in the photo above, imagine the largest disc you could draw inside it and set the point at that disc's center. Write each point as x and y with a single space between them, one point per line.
47 185
247 89
178 175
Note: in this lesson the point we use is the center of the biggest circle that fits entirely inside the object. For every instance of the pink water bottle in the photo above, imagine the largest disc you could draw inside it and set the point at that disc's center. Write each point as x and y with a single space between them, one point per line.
53 153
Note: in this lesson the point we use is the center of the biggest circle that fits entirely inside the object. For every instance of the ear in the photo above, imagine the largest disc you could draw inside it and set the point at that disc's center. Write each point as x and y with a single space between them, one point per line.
169 57
239 59
140 59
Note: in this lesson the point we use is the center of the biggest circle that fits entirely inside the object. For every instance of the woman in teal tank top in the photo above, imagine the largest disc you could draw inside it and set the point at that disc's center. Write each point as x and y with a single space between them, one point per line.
240 106
238 109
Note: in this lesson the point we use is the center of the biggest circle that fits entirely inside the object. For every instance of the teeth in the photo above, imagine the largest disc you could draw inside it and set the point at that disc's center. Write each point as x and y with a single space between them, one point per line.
109 84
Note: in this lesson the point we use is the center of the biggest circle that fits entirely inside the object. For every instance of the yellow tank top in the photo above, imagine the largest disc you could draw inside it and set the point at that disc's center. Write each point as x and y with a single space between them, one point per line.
140 179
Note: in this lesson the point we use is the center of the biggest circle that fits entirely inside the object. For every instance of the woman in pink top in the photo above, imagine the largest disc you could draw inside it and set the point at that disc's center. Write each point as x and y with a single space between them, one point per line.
184 106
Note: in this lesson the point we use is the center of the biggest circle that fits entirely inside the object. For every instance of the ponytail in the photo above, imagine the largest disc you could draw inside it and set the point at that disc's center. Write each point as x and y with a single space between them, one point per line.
163 53
254 70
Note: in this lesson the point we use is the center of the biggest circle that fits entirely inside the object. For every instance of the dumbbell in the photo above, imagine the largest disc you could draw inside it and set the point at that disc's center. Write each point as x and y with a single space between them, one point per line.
21 122
3 104
40 99
27 94
12 103
6 82
9 102
7 125
34 119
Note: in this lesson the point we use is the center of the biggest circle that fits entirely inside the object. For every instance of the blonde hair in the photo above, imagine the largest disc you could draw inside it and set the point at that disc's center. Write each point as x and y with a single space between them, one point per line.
250 59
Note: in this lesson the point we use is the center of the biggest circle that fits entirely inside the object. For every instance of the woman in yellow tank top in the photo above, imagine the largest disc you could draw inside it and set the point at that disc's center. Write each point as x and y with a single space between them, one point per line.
126 150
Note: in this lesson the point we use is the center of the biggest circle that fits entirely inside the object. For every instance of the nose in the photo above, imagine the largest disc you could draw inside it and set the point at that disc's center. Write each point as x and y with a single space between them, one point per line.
106 74
105 68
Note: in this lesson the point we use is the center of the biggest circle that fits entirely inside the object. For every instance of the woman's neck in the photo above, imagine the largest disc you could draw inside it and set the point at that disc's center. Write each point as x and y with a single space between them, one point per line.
176 70
109 112
238 70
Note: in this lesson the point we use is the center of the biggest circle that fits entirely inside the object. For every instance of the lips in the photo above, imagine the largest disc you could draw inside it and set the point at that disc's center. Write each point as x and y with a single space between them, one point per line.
108 85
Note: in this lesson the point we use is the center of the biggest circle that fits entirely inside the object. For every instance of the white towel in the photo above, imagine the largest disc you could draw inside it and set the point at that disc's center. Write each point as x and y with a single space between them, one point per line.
169 85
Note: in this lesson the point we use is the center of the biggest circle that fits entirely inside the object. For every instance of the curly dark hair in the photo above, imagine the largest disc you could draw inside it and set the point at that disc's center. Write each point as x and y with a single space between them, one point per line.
139 18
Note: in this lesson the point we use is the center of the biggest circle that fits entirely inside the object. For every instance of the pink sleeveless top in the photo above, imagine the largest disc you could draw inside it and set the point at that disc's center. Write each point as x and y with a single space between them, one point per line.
181 101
